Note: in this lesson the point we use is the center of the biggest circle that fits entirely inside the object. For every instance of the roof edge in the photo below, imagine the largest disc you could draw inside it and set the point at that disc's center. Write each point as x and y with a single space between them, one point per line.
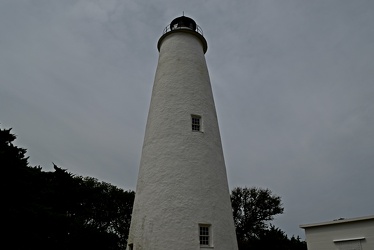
339 221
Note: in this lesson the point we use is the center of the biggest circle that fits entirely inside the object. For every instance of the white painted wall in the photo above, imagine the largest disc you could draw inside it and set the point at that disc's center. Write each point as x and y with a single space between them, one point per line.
334 235
182 177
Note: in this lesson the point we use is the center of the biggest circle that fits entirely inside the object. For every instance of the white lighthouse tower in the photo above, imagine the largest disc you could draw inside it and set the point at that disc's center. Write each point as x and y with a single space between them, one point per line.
182 199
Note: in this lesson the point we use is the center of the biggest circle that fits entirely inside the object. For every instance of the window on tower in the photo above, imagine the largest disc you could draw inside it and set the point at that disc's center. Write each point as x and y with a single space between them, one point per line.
204 235
196 122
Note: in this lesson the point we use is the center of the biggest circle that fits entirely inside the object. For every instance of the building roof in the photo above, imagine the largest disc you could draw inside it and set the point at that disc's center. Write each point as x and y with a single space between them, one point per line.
338 221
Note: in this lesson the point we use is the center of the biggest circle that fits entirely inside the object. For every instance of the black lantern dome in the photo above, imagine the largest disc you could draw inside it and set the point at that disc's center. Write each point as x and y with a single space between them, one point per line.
183 22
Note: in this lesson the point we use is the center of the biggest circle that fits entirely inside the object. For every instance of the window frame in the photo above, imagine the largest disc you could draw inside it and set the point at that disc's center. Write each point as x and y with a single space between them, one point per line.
196 123
353 243
206 235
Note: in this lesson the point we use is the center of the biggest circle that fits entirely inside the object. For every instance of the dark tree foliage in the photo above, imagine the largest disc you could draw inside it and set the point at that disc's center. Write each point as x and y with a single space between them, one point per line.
57 210
274 239
253 208
271 238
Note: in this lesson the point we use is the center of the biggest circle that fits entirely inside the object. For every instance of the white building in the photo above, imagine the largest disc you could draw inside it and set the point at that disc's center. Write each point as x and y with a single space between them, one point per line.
341 234
182 199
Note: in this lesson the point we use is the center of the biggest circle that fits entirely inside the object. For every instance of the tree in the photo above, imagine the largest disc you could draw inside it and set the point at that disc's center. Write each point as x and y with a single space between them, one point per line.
19 188
275 239
58 210
296 243
96 215
252 209
10 155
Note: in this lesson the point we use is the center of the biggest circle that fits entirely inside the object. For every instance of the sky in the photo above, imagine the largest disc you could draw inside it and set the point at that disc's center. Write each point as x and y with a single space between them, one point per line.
292 82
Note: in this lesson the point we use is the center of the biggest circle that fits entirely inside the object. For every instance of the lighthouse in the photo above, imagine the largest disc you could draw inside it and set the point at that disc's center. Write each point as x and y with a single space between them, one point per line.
182 199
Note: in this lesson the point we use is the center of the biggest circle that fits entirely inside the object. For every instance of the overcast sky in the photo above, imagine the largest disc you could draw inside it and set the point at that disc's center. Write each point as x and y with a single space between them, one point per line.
292 81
